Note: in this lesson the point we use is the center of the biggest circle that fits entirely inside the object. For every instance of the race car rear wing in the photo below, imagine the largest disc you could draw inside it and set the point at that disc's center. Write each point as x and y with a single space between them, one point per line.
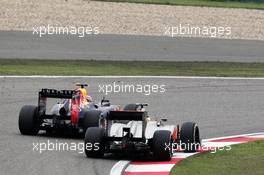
51 93
130 116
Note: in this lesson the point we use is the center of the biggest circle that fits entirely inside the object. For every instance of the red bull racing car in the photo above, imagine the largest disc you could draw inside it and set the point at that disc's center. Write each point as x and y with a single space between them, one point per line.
73 115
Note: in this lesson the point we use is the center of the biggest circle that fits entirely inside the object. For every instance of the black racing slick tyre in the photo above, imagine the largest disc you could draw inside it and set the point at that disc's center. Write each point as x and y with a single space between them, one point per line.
190 137
28 122
131 107
91 119
94 142
162 145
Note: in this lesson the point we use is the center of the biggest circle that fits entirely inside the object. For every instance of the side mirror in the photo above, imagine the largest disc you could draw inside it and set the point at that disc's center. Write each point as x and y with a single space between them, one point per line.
102 101
105 102
164 120
142 105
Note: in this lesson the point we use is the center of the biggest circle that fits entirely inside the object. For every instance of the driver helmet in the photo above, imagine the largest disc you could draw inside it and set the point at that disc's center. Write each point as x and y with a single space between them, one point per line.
83 92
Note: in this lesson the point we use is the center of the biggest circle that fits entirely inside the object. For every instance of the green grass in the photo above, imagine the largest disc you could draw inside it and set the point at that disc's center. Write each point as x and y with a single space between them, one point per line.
208 3
242 159
82 67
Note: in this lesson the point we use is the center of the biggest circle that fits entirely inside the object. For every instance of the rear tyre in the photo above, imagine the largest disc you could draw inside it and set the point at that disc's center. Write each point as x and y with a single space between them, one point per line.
190 137
94 142
131 107
91 119
28 122
162 145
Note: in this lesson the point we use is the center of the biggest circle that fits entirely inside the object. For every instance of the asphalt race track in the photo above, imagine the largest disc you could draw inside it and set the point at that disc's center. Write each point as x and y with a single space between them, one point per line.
21 45
220 107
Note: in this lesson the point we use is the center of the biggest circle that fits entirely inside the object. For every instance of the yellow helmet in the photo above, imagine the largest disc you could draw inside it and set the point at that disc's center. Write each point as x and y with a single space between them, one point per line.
83 91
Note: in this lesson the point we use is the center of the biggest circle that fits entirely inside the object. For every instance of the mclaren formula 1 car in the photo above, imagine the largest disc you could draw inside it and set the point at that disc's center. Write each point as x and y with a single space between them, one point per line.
74 114
131 131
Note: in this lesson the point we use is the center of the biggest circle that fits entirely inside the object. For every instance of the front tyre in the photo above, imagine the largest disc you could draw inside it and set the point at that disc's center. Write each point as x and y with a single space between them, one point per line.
28 122
162 145
94 142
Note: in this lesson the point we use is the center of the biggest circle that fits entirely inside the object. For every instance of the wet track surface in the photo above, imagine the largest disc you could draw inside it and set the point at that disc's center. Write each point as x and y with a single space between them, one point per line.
220 107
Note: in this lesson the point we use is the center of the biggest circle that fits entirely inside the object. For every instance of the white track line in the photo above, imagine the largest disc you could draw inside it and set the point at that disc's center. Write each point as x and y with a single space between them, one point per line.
146 168
119 167
228 137
183 155
257 136
218 144
164 77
